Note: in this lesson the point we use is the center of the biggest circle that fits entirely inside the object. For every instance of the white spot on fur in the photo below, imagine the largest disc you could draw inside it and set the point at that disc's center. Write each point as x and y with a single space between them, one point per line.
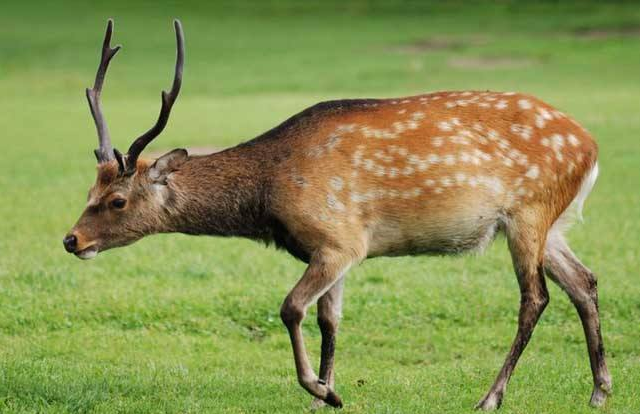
456 139
368 164
336 183
334 204
346 128
542 116
573 140
299 180
358 198
533 172
557 140
502 104
523 131
524 104
408 170
492 183
332 142
414 192
382 156
445 126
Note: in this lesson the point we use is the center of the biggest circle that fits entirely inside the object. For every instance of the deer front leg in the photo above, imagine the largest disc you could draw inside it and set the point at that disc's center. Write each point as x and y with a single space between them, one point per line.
325 269
329 314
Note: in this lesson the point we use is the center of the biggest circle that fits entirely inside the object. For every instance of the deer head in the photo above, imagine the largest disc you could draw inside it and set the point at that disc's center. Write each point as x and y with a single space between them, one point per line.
125 203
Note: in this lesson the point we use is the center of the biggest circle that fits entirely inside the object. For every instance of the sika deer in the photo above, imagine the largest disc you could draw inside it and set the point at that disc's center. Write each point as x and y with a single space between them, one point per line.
348 180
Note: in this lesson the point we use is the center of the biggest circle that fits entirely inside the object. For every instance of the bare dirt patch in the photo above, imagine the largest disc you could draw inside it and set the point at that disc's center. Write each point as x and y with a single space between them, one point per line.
437 43
595 33
490 63
190 150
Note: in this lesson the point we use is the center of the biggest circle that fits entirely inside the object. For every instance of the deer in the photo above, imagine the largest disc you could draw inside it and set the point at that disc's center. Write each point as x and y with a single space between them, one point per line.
442 173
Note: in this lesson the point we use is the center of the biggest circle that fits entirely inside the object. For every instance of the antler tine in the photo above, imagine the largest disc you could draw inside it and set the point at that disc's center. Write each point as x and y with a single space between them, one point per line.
105 152
168 99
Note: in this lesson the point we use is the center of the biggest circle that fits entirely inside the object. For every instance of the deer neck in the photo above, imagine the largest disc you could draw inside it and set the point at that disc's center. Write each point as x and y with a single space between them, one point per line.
223 194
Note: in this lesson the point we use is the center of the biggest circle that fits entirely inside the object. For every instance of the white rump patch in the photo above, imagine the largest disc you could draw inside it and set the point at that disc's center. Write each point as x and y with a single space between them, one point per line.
574 211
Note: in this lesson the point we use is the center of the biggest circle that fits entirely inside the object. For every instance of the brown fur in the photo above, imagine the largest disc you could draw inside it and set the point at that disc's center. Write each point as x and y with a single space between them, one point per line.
346 180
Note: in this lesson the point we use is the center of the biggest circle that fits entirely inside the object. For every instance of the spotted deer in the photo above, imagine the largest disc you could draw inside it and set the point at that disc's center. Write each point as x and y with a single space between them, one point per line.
343 181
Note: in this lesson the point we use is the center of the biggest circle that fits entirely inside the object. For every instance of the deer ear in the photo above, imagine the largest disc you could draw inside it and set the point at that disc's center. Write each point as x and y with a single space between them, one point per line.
167 164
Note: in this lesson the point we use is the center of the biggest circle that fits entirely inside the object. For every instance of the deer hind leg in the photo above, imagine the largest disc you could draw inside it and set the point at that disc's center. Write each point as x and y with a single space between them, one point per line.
325 269
329 314
526 241
565 269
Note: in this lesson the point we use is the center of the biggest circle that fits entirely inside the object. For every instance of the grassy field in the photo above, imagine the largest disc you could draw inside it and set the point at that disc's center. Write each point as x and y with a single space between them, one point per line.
191 325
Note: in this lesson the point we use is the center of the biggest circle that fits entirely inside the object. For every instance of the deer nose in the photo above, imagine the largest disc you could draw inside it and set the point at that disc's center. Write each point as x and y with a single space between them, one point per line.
70 242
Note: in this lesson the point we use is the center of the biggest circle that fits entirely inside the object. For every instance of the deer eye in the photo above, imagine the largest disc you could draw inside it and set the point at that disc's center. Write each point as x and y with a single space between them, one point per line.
118 203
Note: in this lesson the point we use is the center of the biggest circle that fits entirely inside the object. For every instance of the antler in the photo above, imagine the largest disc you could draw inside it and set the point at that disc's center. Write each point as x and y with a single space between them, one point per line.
105 152
168 99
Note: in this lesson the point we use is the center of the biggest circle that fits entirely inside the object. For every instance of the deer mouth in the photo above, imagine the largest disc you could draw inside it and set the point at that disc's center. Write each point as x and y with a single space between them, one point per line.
87 253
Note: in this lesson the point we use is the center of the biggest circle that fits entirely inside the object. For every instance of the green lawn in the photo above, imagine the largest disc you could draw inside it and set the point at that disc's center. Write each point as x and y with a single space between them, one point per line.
184 324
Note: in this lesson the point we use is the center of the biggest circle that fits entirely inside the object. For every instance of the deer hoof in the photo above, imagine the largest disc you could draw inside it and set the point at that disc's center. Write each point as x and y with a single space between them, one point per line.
333 399
489 402
599 396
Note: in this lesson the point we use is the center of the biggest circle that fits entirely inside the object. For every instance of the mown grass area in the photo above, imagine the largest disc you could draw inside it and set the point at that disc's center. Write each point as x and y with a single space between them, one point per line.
185 324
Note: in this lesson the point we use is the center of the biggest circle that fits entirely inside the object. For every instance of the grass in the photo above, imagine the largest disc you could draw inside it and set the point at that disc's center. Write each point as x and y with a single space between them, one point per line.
185 324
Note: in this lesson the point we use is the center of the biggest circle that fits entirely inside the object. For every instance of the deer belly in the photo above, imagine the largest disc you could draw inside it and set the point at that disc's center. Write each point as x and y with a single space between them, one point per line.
440 232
